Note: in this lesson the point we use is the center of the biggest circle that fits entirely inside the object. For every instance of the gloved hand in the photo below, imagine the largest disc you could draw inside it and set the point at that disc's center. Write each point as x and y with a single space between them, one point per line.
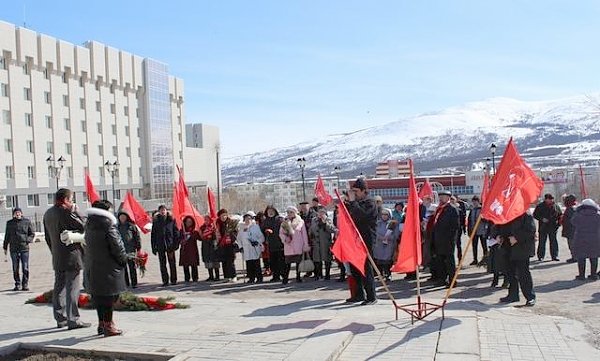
154 252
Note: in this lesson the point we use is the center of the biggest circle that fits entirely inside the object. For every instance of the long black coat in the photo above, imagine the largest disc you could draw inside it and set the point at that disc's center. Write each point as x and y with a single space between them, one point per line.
105 254
165 236
568 231
523 229
586 240
19 234
56 220
550 212
272 237
443 231
364 214
130 235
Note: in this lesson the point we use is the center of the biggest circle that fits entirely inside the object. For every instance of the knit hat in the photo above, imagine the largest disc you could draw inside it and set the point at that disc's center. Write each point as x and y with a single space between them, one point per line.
250 213
360 184
16 209
292 209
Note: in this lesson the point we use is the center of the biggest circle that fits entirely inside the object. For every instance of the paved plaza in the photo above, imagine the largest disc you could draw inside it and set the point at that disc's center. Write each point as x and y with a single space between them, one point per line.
309 321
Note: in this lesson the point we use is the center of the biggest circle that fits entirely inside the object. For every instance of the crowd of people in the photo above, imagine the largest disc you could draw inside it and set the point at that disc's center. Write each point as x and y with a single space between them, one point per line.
272 244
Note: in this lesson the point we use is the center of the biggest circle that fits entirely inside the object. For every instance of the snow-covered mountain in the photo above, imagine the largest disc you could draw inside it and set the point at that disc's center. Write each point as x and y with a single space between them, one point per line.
546 133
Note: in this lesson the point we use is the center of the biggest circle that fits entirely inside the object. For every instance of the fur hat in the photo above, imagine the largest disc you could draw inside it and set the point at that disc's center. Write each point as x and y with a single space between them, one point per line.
589 202
292 209
445 193
250 213
360 184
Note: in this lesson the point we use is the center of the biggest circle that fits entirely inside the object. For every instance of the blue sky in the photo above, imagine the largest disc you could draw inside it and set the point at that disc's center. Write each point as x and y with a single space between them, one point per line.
274 73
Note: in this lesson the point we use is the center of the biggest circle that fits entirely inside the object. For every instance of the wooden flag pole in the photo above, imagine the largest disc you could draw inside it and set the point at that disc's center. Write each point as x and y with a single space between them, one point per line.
381 278
459 266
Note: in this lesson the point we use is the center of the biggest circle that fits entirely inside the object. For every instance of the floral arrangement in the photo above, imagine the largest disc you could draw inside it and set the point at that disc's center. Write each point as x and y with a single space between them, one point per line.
141 258
127 302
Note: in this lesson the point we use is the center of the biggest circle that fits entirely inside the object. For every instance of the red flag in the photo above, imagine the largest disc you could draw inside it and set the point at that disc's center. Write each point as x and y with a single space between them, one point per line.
349 245
426 190
182 206
409 249
90 189
321 192
485 189
212 204
136 212
514 187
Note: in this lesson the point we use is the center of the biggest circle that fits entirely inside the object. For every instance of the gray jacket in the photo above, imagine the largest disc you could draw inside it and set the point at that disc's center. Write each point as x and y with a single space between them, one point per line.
56 220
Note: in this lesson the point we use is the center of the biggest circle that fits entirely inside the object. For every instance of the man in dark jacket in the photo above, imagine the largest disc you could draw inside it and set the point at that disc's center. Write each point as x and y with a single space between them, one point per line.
131 240
165 239
568 231
105 259
270 228
363 210
19 234
548 214
480 232
520 235
66 259
442 227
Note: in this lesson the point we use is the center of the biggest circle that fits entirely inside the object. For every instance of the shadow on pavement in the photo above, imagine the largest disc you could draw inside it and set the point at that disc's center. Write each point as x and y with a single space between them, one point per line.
355 328
425 328
595 298
30 333
304 325
557 286
293 307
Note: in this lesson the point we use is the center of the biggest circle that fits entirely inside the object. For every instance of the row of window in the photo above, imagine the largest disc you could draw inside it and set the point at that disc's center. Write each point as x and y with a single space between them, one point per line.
403 192
29 146
31 172
33 200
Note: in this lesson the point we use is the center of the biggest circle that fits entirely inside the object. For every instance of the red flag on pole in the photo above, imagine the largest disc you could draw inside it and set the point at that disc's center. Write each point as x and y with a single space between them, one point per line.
426 190
485 189
321 192
212 204
349 245
136 212
582 182
182 206
514 187
409 249
92 195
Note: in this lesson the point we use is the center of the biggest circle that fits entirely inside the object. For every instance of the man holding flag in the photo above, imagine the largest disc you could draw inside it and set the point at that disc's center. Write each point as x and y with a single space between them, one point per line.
363 211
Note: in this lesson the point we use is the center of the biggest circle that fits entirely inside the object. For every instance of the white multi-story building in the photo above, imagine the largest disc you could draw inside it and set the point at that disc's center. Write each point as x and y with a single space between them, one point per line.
89 104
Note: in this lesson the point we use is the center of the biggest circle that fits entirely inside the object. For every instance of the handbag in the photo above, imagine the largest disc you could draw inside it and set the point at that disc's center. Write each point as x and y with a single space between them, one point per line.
306 265
71 237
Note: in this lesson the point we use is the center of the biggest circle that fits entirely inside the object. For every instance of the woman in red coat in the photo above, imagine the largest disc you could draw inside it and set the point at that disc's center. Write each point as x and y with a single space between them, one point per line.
189 257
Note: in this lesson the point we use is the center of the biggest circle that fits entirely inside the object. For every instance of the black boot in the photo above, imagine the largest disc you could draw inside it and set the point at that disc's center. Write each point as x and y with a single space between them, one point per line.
217 276
211 275
495 280
327 271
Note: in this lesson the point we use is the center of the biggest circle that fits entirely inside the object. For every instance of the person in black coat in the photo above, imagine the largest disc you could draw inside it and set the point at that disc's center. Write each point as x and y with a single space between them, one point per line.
548 214
363 211
270 228
519 236
105 259
19 234
131 240
442 228
568 231
165 238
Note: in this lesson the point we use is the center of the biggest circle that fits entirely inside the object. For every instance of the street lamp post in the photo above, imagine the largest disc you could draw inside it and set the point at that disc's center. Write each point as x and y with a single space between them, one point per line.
55 167
493 151
217 149
112 168
337 171
302 165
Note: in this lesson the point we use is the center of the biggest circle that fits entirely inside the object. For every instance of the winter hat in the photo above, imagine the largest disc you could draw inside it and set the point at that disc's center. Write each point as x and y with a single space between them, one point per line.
292 209
250 213
548 196
589 202
360 184
386 211
378 199
445 193
315 199
16 209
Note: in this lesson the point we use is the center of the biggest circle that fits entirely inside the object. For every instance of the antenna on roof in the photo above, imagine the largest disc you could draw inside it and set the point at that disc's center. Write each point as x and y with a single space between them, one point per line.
24 14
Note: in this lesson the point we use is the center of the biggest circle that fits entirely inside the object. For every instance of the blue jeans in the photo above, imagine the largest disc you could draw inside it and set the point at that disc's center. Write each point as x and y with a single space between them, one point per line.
22 258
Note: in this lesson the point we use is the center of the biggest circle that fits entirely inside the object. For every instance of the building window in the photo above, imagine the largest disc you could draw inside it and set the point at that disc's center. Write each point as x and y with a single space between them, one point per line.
100 128
140 152
29 144
117 194
68 148
11 202
112 89
50 147
81 81
4 89
97 85
27 93
180 155
126 110
67 124
33 200
47 97
6 117
112 109
137 112
138 132
48 122
65 77
66 100
115 150
81 103
127 130
129 172
10 172
114 129
179 136
28 119
84 148
31 172
2 63
70 173
46 73
101 150
26 69
101 171
98 106
83 126
8 146
128 151
50 199
103 194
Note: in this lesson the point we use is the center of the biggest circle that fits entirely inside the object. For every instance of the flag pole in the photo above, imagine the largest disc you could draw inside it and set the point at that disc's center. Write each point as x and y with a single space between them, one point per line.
460 262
